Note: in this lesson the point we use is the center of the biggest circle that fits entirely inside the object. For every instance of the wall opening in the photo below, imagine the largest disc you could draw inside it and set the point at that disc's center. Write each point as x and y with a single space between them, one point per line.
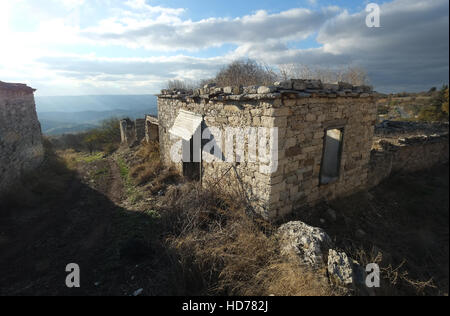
152 132
191 165
332 155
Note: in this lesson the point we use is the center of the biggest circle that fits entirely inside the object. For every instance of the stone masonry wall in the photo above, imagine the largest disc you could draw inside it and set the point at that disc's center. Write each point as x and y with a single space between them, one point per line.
21 147
297 181
132 132
151 129
302 110
407 154
127 132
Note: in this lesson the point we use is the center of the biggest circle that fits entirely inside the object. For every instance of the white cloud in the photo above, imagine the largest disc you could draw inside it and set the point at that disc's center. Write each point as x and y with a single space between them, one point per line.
176 34
409 51
143 7
70 4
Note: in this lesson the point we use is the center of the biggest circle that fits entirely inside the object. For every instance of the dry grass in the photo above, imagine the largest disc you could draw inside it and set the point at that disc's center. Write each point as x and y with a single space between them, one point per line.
222 251
288 279
149 171
144 172
405 220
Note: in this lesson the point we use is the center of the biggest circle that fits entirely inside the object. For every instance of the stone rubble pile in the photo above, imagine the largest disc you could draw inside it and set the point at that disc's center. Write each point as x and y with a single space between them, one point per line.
299 87
397 128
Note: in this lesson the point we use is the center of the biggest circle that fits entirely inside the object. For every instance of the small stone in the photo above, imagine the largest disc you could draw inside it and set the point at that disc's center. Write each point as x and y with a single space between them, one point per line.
251 90
266 90
345 86
285 85
314 84
360 234
138 292
331 215
228 90
209 85
298 84
331 87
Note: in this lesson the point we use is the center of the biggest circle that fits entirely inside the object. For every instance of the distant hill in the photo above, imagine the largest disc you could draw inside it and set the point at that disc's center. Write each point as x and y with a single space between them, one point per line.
72 114
99 103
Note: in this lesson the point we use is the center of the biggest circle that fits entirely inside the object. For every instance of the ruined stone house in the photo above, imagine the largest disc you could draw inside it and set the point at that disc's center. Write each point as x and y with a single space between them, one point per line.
21 147
134 132
322 150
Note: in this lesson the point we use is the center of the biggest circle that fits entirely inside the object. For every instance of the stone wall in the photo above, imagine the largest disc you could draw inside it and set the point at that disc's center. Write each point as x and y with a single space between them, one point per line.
21 147
151 129
409 147
302 111
132 132
127 132
140 130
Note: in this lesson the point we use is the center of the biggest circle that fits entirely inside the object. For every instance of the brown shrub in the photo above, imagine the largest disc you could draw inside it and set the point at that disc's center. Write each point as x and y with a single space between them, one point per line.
143 173
148 170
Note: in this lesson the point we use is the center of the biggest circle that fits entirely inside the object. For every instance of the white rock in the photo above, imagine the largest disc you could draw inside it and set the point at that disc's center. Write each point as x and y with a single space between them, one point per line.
266 90
340 269
311 244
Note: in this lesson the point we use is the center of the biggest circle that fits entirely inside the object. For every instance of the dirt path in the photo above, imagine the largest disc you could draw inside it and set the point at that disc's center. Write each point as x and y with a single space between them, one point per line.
116 187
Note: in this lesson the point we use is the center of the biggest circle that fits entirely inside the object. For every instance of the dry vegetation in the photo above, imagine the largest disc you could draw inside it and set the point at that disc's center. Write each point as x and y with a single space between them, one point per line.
431 106
105 138
223 251
188 240
352 74
148 171
212 245
248 72
405 224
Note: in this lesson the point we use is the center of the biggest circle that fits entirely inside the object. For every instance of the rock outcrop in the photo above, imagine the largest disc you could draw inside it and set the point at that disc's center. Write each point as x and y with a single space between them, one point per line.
311 244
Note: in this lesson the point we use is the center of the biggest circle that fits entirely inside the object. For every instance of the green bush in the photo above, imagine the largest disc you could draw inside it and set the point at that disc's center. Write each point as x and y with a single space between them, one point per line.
437 110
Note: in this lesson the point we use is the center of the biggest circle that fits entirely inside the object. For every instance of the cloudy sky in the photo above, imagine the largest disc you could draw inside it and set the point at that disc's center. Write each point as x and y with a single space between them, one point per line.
80 47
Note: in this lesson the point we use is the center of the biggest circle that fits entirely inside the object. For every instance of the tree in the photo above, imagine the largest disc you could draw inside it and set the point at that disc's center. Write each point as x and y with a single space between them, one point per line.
437 110
445 104
92 140
177 84
246 73
351 74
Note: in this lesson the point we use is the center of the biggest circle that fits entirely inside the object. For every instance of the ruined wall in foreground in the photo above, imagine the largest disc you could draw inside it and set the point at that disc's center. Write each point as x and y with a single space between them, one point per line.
21 147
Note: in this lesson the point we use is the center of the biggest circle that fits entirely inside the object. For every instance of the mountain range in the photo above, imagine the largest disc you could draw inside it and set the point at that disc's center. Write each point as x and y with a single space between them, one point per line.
72 114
